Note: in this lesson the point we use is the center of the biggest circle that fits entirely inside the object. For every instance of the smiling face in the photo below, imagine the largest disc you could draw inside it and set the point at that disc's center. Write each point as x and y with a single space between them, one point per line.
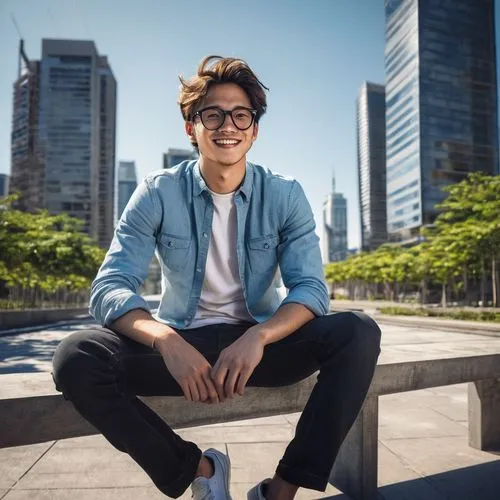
226 146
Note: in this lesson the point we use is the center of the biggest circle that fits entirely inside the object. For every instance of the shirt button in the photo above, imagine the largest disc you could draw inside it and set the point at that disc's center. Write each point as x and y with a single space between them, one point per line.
198 269
205 235
266 245
170 244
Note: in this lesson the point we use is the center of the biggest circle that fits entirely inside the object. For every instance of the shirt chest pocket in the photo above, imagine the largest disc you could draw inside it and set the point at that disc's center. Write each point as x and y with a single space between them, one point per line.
174 251
263 254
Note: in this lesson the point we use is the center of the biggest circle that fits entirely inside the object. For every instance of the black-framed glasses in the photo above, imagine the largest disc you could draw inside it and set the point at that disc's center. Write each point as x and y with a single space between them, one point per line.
214 117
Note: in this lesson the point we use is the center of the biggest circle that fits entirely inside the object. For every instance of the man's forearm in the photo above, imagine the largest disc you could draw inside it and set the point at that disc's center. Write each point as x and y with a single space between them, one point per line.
140 326
286 320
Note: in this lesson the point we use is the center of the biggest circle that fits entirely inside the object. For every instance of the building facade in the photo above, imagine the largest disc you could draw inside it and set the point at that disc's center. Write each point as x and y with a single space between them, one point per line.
334 239
27 165
127 183
4 185
370 110
63 135
174 156
441 104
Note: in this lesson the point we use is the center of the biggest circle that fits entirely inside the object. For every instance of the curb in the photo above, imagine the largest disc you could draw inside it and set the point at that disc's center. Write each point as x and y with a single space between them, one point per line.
76 320
36 328
453 325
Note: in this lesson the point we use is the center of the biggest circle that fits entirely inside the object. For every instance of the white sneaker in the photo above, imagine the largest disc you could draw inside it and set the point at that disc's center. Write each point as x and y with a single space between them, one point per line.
217 487
257 493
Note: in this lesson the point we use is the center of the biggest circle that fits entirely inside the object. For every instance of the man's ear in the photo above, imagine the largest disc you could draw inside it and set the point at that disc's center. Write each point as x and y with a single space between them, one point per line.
255 131
188 126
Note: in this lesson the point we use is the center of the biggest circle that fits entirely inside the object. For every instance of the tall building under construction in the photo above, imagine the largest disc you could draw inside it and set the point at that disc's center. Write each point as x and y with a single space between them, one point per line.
63 134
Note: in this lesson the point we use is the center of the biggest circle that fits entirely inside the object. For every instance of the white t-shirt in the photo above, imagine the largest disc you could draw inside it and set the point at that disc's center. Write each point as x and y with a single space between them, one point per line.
222 299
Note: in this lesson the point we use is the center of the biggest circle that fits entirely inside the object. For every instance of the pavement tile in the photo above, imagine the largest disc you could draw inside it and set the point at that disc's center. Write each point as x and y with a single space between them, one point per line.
143 493
87 467
398 481
253 422
453 410
451 466
237 434
397 422
439 454
448 401
84 460
97 441
394 335
293 418
15 461
133 477
239 492
253 462
456 391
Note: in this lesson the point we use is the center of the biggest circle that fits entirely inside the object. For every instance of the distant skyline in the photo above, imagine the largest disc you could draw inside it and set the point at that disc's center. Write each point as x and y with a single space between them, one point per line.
313 57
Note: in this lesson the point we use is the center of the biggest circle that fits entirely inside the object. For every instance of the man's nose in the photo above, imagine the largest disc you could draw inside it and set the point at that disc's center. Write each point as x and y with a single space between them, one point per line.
227 124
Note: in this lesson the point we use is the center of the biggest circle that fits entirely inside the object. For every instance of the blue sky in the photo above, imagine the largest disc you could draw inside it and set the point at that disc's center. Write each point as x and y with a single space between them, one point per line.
312 55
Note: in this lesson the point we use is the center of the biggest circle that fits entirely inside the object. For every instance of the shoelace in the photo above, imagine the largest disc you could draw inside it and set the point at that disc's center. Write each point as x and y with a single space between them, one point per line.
201 489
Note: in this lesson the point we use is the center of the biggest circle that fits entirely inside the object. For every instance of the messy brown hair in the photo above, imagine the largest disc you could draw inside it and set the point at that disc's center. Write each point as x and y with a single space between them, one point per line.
214 70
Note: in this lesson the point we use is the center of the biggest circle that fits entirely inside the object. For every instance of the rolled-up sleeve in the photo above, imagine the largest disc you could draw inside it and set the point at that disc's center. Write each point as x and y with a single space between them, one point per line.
125 267
300 256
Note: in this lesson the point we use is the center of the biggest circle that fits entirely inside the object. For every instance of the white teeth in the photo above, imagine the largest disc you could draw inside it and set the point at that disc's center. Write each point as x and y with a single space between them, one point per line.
226 141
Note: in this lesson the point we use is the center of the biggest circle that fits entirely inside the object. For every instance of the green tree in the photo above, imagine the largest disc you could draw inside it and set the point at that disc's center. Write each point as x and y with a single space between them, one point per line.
469 222
47 253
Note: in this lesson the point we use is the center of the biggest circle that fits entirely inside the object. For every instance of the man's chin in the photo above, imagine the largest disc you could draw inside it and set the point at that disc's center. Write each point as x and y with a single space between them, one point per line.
229 160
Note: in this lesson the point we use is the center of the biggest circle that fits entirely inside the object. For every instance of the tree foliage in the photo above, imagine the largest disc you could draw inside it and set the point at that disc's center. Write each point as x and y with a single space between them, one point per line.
462 244
45 252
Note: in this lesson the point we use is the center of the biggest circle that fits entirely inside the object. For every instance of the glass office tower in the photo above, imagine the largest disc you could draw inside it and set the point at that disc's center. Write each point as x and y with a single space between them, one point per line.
127 183
334 242
63 134
175 156
370 107
441 104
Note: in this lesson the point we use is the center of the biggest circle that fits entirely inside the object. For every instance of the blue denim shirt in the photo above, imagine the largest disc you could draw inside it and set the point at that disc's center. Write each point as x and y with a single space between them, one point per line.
170 213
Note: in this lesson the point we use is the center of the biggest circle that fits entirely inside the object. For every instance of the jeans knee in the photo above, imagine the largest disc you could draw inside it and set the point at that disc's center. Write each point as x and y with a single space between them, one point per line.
360 328
75 361
367 331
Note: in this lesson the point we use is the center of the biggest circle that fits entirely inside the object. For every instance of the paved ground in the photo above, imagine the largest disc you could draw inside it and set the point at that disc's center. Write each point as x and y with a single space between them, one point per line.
423 450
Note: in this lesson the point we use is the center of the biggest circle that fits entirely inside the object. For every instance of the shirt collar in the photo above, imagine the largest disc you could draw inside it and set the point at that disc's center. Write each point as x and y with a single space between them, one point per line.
245 189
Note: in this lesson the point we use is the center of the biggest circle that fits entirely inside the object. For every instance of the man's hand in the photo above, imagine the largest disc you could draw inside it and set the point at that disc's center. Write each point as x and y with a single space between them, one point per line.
236 364
189 368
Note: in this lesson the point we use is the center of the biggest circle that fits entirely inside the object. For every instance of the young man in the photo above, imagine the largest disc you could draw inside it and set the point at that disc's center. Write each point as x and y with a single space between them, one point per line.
228 234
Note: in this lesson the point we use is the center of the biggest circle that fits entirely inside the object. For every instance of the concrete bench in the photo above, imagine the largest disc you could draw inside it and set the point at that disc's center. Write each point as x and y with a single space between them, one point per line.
31 411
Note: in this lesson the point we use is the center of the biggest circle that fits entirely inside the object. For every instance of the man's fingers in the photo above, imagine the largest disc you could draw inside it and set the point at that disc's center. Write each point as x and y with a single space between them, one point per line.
195 395
242 382
212 391
218 378
186 391
202 388
231 382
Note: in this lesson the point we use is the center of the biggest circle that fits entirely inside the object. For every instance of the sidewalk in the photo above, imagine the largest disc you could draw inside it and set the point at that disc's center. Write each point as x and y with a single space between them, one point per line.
447 324
423 454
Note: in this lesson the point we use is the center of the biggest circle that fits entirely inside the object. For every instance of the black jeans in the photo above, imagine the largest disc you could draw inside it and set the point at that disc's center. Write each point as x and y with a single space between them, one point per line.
102 372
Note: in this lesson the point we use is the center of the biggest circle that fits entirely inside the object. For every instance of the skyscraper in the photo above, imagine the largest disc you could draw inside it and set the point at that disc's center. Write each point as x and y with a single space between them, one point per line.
441 104
174 156
127 182
334 227
371 165
63 134
27 166
4 185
